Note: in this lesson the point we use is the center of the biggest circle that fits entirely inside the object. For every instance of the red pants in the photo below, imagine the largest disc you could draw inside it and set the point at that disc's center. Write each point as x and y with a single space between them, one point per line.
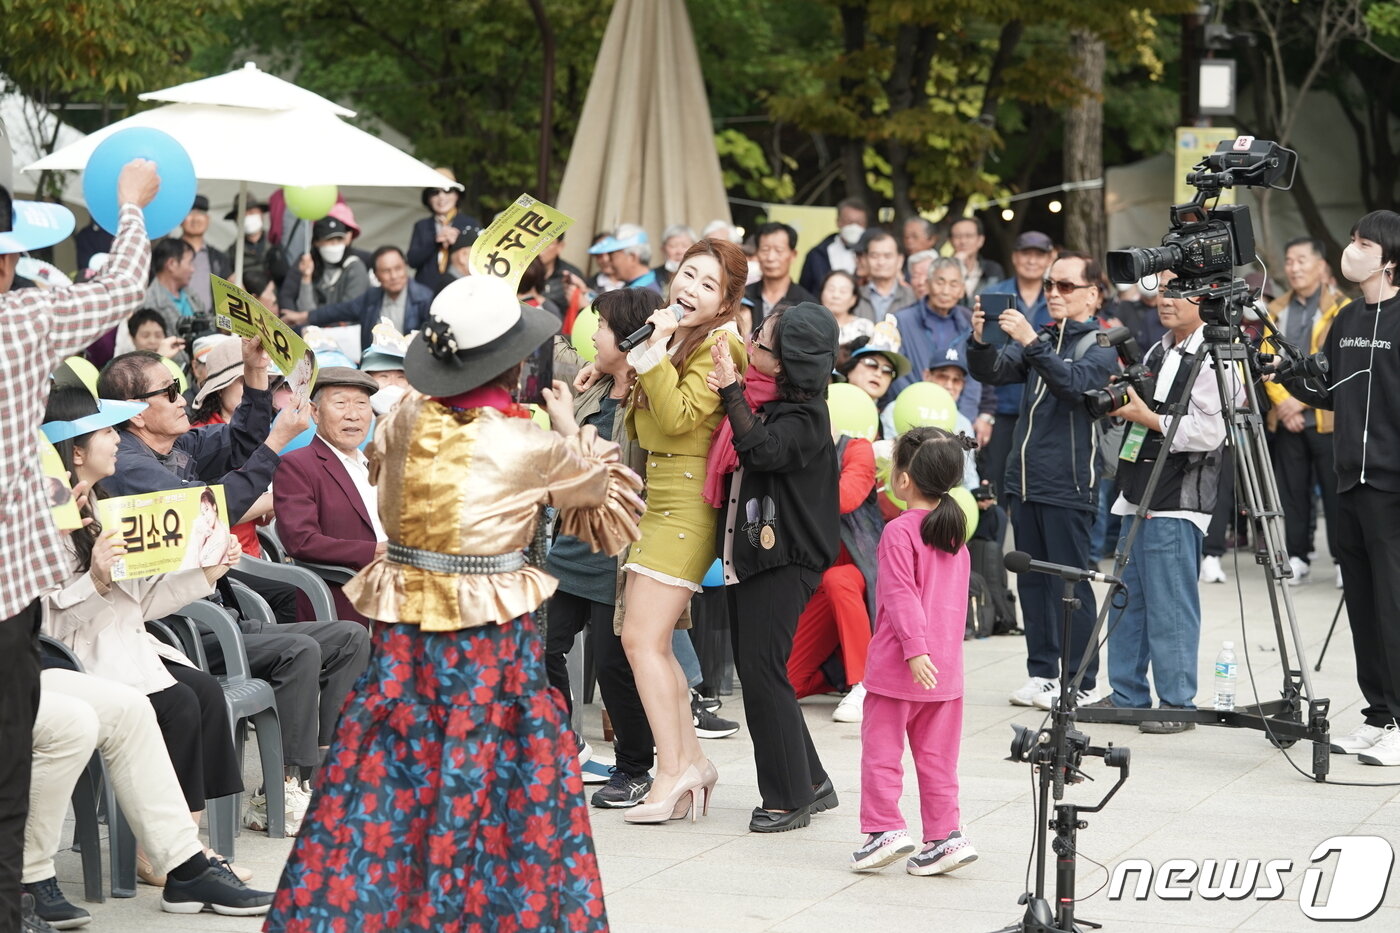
835 617
935 730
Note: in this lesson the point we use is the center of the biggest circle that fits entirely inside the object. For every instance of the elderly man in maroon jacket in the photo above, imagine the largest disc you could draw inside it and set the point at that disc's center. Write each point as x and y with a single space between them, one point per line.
327 511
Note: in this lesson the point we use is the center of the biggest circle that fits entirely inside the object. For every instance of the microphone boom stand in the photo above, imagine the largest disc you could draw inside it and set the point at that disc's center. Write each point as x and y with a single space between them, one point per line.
1057 753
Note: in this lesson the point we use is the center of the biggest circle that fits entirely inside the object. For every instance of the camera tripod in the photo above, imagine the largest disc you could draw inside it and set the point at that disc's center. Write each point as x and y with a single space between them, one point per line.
1297 713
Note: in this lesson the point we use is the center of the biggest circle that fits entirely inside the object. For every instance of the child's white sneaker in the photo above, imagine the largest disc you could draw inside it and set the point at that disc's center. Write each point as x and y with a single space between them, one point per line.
881 849
943 855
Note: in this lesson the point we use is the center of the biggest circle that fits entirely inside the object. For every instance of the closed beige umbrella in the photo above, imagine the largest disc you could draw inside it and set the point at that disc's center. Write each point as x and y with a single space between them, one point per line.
645 150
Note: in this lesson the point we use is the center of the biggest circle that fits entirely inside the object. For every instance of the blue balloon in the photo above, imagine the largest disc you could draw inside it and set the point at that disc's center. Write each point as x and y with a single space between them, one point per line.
714 576
177 182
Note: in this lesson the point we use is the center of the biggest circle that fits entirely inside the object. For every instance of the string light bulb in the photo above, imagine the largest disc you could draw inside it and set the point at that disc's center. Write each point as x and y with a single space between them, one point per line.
1007 214
1055 207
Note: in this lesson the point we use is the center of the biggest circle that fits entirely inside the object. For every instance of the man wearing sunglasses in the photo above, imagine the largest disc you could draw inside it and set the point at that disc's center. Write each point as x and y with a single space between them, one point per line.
1051 479
310 665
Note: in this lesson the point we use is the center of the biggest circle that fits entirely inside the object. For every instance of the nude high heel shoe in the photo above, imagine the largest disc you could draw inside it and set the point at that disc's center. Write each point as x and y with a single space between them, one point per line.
674 805
709 777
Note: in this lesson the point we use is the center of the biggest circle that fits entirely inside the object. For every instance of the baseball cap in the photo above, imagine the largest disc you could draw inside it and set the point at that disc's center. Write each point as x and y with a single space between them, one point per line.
1034 239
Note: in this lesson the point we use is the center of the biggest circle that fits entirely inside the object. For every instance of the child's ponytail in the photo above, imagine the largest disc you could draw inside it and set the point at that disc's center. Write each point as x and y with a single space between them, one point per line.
944 527
933 459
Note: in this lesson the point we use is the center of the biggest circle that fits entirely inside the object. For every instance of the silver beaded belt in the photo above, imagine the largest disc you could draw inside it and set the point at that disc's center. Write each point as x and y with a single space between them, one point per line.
437 562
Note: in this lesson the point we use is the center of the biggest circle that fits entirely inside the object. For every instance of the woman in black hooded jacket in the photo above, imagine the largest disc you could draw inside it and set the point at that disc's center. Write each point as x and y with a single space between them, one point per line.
780 529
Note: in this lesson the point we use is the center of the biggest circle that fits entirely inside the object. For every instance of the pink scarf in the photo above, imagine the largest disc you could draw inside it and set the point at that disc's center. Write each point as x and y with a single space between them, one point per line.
759 389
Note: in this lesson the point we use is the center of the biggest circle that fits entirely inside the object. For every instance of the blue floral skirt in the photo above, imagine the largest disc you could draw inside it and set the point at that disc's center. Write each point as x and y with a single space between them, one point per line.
450 799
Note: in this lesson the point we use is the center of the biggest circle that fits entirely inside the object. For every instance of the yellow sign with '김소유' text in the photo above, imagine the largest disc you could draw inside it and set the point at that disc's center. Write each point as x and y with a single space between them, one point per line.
517 235
174 529
239 313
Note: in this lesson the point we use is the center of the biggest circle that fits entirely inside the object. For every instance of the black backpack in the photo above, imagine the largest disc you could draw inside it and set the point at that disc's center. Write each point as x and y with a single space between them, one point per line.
981 614
990 572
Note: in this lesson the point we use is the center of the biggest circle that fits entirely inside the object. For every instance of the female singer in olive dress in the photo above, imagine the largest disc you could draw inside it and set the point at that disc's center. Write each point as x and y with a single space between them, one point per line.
451 798
673 417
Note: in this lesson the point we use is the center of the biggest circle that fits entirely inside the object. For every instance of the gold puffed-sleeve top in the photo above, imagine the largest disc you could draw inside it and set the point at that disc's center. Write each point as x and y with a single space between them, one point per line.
473 482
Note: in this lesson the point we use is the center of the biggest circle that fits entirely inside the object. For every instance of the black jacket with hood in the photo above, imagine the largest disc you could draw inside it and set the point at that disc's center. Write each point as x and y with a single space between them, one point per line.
1053 452
788 503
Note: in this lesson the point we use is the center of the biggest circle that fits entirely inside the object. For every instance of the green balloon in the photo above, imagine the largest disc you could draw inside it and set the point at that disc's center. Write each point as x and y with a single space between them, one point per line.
924 404
181 379
962 497
853 412
78 370
310 203
585 326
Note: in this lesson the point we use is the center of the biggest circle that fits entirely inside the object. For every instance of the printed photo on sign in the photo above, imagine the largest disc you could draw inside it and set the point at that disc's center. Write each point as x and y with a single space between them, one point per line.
56 489
517 235
174 529
239 313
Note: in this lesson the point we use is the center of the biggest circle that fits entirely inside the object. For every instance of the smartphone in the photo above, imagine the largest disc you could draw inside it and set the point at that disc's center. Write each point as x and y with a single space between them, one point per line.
992 306
536 375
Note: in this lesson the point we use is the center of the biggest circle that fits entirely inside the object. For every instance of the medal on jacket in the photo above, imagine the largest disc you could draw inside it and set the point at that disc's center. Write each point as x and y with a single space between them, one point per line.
767 537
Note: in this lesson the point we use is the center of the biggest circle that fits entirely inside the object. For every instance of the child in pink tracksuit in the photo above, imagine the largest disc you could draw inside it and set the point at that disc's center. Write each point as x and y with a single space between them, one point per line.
914 670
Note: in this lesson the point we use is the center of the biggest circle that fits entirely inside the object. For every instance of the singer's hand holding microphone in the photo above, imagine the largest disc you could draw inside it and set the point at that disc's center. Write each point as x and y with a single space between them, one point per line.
662 324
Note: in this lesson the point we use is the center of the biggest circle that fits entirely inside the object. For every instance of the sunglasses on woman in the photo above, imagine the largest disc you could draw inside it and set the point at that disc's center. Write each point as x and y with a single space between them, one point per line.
171 393
885 368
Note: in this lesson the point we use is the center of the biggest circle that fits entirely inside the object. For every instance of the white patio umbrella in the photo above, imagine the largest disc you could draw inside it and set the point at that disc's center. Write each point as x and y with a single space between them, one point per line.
246 87
305 144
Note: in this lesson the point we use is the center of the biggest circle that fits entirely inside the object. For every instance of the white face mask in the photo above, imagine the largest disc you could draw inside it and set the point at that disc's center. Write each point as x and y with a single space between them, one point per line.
672 265
253 224
851 233
1357 264
332 253
385 399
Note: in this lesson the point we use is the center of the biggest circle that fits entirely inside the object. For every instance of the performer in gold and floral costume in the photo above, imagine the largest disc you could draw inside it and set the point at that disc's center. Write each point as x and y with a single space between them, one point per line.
451 799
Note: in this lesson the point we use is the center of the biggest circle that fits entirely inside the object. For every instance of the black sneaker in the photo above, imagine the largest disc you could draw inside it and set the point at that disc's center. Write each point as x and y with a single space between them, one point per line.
622 791
216 889
51 906
707 724
29 921
710 703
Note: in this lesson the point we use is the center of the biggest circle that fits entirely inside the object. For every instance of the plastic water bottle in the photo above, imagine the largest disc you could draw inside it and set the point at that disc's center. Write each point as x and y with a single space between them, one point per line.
1225 675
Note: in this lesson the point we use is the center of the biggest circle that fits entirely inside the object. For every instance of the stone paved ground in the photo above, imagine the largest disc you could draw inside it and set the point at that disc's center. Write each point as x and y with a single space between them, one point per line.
1211 793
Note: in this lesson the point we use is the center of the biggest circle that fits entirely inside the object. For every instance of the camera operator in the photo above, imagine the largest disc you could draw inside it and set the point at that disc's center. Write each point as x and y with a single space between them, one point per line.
1051 481
1161 625
1361 387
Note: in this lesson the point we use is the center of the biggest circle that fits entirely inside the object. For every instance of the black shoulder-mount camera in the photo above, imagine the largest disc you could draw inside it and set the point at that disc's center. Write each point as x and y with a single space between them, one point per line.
1204 244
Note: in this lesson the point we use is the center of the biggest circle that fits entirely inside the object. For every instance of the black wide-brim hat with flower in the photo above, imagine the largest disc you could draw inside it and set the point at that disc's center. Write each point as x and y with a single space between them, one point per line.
476 330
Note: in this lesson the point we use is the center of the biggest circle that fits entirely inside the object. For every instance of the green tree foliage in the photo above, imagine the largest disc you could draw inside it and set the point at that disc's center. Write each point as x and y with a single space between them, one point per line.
100 53
936 87
460 79
95 50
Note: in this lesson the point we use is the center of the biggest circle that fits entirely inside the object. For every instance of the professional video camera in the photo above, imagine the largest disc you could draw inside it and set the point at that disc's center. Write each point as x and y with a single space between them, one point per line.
191 328
1206 244
1105 401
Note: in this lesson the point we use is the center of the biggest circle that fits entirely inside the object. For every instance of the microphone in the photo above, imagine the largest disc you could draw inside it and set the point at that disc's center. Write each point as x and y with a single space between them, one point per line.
642 333
1020 562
